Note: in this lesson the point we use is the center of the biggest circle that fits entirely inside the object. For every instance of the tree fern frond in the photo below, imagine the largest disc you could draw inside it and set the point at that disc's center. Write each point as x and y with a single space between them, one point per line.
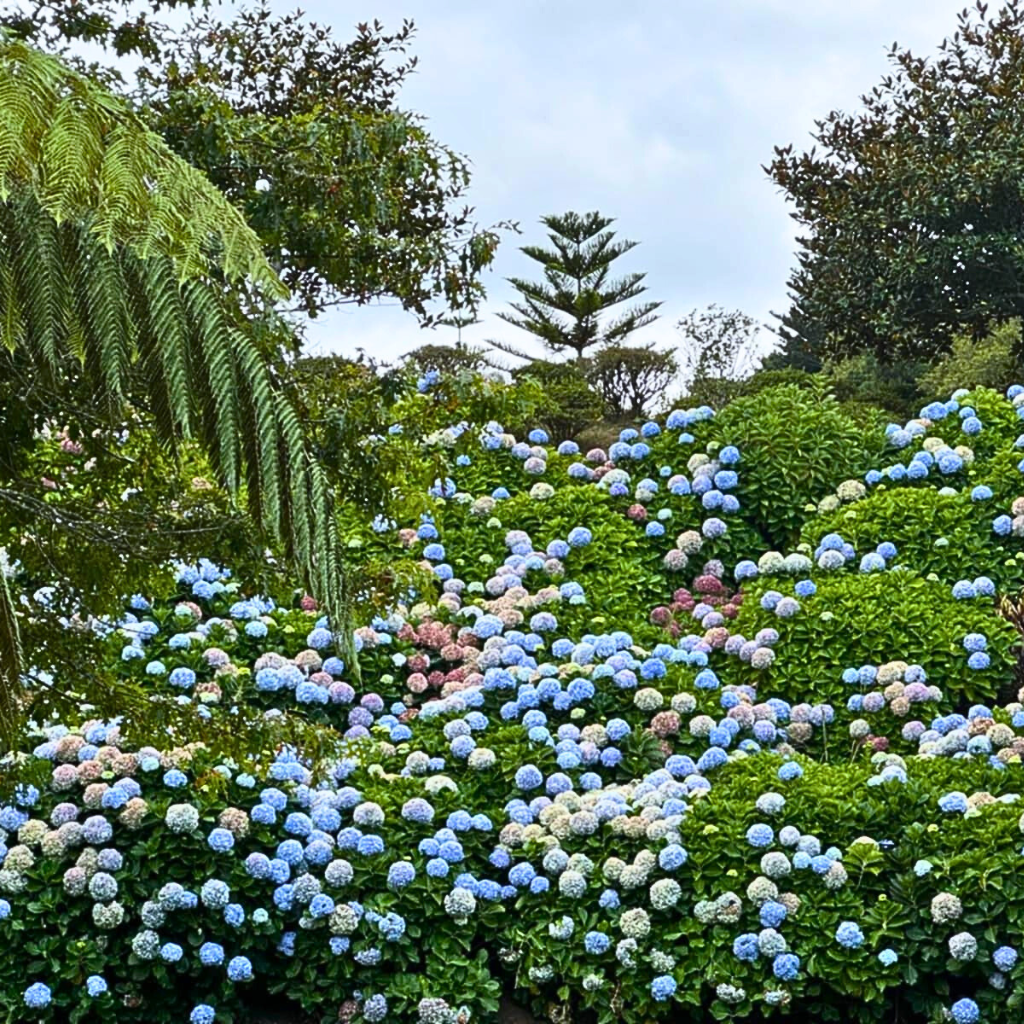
71 152
166 332
31 249
82 153
100 290
214 383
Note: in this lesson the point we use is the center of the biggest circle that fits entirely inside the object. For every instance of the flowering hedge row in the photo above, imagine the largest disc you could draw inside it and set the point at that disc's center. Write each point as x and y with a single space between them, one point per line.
620 758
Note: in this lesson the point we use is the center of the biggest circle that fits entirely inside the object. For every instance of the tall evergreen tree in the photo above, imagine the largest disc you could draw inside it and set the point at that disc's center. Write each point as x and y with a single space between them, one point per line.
565 310
911 207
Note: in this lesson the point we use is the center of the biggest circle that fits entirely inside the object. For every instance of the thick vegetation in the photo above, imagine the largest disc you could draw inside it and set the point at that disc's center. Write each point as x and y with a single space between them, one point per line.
616 753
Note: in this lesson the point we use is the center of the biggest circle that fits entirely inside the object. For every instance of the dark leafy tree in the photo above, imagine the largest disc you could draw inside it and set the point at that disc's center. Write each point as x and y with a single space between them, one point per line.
352 198
802 343
912 208
565 311
631 378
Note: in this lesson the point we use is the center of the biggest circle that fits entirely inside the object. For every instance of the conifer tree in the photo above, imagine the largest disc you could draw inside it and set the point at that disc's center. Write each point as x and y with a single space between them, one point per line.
565 310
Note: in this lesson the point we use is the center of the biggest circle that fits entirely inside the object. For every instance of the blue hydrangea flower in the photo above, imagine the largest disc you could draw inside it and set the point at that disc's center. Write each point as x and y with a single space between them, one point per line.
220 840
183 678
211 954
965 1011
171 952
529 777
849 935
579 536
234 915
786 966
953 803
37 996
95 985
979 661
375 1008
663 987
401 874
1005 958
240 969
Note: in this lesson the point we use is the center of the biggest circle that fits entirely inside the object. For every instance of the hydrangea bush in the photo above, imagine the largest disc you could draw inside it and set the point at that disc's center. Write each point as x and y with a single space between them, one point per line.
666 733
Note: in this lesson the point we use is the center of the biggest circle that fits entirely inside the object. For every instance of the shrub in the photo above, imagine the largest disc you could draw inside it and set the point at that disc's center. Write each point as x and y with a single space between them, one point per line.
635 774
991 362
569 402
797 446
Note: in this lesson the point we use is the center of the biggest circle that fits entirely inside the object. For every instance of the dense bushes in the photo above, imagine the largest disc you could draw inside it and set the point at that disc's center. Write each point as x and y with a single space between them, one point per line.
797 446
611 753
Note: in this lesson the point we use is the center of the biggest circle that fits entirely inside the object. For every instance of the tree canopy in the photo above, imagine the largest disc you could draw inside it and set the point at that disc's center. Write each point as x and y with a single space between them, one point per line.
350 195
911 208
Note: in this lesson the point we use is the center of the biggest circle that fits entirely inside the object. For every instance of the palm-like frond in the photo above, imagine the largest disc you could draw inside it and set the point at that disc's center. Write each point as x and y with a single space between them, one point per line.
117 255
86 157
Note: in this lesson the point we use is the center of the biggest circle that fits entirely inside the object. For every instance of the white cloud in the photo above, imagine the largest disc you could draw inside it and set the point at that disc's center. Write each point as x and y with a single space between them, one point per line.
659 114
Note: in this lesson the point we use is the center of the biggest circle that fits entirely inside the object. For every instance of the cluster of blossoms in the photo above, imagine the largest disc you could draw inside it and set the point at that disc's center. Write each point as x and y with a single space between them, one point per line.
709 484
708 600
1012 524
552 780
893 689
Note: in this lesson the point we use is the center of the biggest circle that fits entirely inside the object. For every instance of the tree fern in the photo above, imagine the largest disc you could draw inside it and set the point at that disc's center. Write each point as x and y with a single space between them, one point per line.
114 257
87 157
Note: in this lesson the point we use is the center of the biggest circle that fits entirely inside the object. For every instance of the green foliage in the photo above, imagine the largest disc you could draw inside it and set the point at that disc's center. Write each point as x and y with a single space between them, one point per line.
947 535
867 785
991 362
84 157
10 656
863 382
448 359
909 229
803 343
565 311
796 448
764 379
865 619
347 407
1000 429
113 255
351 197
569 402
632 379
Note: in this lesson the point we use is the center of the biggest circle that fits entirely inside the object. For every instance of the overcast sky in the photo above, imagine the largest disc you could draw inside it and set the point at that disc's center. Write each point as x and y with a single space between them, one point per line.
658 113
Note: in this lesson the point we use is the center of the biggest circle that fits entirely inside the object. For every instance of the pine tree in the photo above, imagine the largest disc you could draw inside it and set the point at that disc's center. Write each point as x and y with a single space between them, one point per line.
565 311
